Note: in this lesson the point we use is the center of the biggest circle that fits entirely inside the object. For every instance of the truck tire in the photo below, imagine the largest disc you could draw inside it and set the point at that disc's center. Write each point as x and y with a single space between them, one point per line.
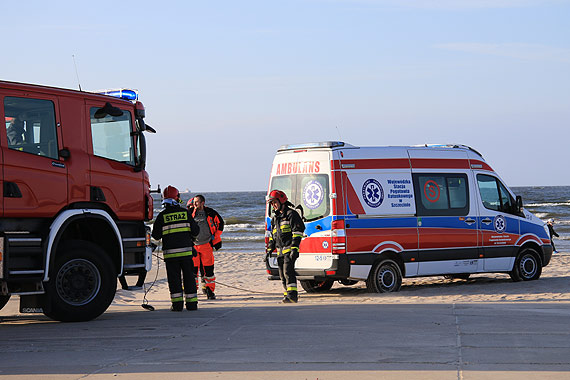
385 277
314 286
3 301
528 266
82 283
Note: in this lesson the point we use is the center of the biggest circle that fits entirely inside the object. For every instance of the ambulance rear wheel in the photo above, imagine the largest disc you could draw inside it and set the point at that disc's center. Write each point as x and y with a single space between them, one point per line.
82 283
385 277
528 266
4 300
314 286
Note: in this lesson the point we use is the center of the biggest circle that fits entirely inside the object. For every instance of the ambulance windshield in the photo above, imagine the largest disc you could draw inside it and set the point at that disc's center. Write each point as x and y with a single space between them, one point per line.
311 191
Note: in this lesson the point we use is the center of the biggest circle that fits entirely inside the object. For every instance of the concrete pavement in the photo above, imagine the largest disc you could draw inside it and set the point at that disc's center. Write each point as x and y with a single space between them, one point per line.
258 338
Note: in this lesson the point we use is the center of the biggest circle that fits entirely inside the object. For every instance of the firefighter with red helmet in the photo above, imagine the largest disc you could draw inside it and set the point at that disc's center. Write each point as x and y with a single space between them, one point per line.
177 229
287 229
209 239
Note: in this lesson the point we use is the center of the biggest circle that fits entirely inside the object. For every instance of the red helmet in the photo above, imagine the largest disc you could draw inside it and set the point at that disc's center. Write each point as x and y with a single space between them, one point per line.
277 194
170 192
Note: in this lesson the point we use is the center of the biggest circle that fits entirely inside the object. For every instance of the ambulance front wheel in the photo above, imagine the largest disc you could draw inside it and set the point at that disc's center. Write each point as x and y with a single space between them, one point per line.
528 266
385 277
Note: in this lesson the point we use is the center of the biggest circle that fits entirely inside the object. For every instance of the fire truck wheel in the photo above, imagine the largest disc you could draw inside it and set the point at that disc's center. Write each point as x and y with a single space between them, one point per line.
313 286
528 266
385 277
4 300
82 283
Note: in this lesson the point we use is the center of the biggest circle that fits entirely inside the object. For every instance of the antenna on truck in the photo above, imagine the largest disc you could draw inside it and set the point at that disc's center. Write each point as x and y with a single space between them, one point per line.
76 73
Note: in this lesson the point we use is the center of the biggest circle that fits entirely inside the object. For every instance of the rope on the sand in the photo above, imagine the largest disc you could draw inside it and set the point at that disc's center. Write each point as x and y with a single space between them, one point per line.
245 290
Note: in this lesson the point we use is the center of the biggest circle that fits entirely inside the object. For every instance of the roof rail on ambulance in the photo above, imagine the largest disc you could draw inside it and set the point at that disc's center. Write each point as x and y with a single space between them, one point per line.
121 93
456 146
322 144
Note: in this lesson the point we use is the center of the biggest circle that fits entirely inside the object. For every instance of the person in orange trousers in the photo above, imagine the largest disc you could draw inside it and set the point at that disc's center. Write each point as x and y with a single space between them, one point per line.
209 239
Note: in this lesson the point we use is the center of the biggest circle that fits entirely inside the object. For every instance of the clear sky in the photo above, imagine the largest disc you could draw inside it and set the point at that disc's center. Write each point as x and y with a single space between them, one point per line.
226 82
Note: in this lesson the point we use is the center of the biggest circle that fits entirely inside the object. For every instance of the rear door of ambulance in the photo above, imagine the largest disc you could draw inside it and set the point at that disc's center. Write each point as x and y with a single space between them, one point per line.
305 176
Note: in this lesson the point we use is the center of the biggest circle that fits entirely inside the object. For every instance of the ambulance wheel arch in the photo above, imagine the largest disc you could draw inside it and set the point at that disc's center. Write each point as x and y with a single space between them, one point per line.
386 274
527 265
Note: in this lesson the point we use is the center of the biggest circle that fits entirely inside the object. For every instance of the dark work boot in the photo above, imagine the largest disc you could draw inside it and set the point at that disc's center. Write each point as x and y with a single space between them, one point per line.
210 294
191 306
293 296
177 306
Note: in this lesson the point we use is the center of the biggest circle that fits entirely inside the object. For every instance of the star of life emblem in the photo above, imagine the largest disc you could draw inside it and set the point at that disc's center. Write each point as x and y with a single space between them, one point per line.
313 194
372 193
500 224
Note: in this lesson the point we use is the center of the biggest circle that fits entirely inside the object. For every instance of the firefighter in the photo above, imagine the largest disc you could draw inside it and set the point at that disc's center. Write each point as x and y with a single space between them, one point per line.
177 229
286 232
210 237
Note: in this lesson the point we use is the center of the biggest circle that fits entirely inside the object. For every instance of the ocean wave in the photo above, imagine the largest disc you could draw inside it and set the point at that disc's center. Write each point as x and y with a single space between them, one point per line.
244 226
548 204
244 238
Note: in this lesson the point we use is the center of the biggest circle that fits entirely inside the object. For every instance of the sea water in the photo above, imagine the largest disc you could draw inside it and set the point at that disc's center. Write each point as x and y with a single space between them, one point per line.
243 213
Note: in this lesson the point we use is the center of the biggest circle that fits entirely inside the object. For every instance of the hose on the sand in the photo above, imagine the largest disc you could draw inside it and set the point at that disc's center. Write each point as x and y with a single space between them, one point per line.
149 307
245 290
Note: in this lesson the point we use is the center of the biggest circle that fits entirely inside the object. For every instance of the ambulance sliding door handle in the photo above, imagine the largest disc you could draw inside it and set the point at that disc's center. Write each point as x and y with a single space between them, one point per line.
487 221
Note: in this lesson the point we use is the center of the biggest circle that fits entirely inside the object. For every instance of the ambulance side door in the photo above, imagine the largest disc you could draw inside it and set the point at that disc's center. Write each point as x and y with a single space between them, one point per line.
498 223
447 225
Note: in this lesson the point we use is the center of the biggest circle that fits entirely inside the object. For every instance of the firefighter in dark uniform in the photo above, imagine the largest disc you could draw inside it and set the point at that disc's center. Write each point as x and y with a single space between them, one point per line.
286 233
177 229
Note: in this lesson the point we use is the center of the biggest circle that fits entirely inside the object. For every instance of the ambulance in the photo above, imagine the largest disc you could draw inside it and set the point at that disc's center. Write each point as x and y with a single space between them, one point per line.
380 214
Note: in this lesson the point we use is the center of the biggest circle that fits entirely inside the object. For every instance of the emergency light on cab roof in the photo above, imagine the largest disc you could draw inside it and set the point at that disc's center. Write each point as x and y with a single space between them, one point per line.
324 144
122 93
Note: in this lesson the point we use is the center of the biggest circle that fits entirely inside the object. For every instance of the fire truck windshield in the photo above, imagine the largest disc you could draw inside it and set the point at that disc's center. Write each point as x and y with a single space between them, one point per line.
112 137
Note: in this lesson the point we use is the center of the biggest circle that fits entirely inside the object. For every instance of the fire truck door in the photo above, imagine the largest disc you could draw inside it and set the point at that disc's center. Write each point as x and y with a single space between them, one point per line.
35 179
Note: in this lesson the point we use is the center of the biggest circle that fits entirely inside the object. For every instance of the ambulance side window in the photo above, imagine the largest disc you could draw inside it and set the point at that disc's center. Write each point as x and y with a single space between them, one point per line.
495 195
441 194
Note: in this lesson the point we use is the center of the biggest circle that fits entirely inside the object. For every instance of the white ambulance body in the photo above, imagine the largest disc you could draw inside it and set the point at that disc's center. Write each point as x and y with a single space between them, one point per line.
378 214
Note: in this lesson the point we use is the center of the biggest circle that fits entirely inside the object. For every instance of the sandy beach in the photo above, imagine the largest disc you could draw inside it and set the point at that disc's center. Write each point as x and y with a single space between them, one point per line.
486 327
242 277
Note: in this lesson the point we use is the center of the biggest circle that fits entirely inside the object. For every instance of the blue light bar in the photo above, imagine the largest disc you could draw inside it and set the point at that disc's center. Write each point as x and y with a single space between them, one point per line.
121 94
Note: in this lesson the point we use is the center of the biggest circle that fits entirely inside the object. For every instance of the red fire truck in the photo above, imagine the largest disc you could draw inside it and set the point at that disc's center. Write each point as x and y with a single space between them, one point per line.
75 198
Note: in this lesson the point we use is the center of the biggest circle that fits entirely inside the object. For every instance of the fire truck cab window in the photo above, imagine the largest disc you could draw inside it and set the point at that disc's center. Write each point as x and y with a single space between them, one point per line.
112 137
30 126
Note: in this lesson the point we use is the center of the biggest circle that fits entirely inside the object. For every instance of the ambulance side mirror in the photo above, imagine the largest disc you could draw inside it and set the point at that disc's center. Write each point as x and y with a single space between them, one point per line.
519 204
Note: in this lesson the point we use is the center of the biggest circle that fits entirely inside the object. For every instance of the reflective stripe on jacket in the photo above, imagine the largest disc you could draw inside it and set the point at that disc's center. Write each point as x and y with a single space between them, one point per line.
177 228
287 229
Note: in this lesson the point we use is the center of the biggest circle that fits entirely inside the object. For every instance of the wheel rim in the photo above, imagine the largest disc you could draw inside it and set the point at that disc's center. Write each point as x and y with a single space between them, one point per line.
528 266
386 278
78 282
